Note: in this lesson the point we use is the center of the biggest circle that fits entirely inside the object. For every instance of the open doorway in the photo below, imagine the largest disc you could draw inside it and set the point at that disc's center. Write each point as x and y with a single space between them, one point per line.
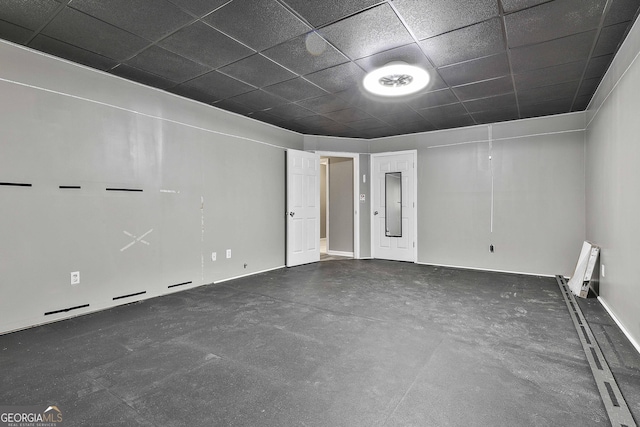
339 222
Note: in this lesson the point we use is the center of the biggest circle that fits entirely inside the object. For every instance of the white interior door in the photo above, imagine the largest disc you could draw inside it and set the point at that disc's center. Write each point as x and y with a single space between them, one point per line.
403 247
303 207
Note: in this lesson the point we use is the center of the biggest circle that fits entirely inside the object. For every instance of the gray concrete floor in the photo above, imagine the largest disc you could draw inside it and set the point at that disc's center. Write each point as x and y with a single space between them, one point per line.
340 343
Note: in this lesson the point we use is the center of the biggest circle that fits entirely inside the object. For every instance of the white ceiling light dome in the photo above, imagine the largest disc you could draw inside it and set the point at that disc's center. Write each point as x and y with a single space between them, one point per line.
396 79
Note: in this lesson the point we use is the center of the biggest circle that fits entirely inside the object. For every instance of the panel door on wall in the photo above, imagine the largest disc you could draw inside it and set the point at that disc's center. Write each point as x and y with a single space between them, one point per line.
303 207
389 242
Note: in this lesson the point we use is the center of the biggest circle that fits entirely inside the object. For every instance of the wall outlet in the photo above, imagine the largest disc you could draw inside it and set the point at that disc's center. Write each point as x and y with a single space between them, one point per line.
228 253
75 277
214 256
602 269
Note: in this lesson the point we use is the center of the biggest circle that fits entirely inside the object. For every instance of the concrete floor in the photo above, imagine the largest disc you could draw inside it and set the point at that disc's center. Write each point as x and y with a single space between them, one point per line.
340 343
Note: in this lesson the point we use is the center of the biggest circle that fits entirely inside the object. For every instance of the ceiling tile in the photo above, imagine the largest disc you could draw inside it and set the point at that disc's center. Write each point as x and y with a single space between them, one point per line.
257 71
258 100
484 88
234 107
205 45
368 32
305 54
72 53
448 122
324 104
588 87
581 103
550 75
476 41
348 115
86 32
291 111
338 78
151 19
167 64
416 127
265 116
610 38
319 13
193 93
219 85
199 7
14 33
598 66
554 52
378 132
443 112
507 100
428 19
257 23
31 14
548 93
557 106
496 115
141 76
316 122
513 5
433 99
553 20
411 54
385 108
475 70
367 124
621 11
295 89
400 119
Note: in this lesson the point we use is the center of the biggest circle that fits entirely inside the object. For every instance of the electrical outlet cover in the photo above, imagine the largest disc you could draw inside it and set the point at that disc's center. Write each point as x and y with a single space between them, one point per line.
75 277
228 253
214 256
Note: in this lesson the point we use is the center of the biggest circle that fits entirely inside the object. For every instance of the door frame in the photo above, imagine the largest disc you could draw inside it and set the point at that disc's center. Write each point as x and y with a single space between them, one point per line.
372 156
356 197
326 199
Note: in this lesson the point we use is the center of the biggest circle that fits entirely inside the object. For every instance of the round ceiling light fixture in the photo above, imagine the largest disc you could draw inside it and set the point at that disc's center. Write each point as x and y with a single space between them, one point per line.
396 79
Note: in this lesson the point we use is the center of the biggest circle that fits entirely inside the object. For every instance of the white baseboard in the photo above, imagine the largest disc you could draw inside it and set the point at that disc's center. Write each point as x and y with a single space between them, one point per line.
620 325
340 253
247 275
486 269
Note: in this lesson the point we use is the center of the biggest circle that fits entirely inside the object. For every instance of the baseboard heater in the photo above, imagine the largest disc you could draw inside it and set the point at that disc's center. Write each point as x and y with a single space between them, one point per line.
14 184
66 310
130 295
125 189
179 284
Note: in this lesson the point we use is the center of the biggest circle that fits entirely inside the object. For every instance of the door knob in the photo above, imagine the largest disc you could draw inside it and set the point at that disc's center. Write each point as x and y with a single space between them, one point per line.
291 214
375 213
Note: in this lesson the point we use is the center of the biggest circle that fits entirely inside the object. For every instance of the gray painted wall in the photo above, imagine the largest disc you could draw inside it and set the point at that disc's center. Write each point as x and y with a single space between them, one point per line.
208 185
538 204
613 183
340 204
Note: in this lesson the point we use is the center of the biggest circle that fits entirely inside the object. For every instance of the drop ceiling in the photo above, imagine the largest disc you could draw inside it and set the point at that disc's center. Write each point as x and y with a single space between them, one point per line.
299 64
